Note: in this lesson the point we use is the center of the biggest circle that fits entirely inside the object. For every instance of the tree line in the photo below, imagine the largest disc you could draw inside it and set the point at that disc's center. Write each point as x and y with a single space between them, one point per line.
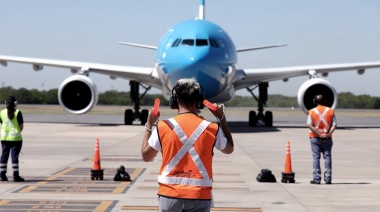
113 97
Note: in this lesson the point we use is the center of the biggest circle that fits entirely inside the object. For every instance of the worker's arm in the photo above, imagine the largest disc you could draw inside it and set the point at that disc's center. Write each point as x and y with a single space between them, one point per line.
332 129
230 142
220 115
147 152
20 119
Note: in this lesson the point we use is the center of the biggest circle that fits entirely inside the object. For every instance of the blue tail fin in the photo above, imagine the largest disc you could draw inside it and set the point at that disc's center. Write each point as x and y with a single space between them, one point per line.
201 14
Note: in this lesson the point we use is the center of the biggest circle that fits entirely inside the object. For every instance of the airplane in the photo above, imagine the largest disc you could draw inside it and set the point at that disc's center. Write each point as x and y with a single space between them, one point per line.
195 48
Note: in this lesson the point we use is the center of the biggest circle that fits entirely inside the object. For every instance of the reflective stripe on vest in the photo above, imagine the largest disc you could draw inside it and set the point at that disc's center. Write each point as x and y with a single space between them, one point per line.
322 119
186 148
10 130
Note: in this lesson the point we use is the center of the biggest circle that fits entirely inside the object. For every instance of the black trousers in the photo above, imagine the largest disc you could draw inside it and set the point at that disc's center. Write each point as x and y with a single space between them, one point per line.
13 147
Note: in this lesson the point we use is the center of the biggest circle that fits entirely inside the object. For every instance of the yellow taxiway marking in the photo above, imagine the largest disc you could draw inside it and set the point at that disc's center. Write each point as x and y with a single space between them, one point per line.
28 189
3 202
103 206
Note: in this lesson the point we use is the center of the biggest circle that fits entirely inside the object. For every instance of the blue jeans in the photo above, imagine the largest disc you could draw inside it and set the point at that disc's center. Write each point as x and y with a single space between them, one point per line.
319 146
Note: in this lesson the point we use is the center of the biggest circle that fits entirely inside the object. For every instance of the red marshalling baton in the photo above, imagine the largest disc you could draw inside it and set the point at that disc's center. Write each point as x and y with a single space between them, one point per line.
210 105
156 106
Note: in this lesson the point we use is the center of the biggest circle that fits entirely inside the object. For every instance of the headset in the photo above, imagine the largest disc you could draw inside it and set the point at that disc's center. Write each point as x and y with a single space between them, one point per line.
174 103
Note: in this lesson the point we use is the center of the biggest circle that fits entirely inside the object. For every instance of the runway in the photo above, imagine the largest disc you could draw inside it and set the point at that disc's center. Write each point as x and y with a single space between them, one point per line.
58 149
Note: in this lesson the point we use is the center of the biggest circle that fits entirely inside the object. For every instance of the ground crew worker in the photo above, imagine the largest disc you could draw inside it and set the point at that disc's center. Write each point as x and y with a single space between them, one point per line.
322 123
12 124
186 143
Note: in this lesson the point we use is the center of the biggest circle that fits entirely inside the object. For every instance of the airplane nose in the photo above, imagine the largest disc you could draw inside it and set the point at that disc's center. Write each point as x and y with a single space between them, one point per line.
197 55
202 63
191 63
186 60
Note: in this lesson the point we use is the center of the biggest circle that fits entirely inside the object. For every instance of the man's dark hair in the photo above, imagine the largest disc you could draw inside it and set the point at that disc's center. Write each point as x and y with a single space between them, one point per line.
11 104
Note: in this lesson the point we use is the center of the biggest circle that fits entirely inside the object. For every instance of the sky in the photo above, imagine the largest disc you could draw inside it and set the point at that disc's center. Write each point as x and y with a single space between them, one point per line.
316 32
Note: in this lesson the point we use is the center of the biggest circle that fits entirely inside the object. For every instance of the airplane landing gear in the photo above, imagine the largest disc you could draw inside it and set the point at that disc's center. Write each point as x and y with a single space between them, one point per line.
131 115
260 118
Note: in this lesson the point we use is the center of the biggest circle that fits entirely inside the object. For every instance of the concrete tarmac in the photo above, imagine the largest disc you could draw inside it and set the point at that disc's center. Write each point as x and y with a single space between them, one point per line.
57 157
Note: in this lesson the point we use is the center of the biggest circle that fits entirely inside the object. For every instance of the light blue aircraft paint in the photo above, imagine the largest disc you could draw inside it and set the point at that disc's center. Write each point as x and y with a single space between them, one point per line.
200 49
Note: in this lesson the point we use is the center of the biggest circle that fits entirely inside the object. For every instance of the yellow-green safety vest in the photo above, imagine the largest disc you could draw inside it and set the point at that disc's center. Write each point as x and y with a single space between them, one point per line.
10 129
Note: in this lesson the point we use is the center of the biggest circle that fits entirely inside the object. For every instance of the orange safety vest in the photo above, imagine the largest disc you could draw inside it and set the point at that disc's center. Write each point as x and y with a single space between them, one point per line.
187 143
322 117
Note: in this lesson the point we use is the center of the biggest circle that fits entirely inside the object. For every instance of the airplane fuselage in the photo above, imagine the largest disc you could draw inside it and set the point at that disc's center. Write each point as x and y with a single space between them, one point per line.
199 49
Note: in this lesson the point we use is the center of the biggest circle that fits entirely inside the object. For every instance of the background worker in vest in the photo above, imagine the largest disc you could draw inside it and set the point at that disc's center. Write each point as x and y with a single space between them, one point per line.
186 143
322 123
12 124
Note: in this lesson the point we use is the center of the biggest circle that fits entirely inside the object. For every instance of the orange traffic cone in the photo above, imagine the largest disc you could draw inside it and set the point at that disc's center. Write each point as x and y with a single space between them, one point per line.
96 165
288 159
96 171
288 174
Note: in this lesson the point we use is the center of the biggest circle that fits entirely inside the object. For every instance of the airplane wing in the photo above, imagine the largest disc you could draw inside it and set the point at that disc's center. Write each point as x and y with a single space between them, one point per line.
143 75
255 76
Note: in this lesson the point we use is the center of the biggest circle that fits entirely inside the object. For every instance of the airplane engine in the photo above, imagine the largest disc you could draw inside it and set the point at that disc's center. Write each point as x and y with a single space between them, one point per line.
313 87
77 94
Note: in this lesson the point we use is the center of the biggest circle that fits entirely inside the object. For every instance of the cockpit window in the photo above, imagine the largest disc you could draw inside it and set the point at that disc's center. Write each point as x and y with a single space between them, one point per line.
201 42
197 42
213 43
188 42
176 42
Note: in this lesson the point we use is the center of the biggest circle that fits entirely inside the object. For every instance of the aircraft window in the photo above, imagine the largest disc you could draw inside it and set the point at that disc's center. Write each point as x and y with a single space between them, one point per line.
188 42
176 42
201 42
213 43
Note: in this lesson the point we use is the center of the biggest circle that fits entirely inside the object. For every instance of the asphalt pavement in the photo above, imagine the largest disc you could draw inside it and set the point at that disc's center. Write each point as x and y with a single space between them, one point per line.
58 150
